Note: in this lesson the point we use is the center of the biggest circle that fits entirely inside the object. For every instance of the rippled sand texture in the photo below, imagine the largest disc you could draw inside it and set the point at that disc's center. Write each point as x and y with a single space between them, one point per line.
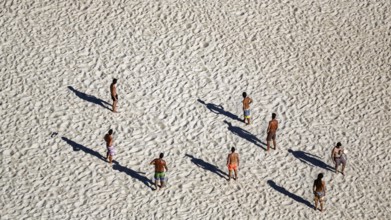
323 66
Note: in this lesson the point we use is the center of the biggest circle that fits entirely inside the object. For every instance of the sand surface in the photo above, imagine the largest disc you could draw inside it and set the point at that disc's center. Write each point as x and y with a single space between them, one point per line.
323 66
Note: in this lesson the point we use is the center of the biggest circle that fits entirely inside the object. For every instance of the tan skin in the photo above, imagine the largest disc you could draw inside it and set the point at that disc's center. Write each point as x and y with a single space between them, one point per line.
109 142
336 153
321 188
233 158
160 166
113 92
273 126
246 105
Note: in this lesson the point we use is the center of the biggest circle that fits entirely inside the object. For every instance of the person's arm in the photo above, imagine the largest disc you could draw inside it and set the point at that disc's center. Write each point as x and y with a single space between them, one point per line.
332 154
277 126
250 101
165 166
228 158
152 162
324 188
268 127
238 160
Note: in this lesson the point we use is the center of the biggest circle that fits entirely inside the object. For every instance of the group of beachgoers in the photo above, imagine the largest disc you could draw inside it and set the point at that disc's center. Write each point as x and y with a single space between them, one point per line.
319 187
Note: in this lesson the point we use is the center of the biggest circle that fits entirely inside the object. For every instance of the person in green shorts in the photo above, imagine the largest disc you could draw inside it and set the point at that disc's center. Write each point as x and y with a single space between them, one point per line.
160 168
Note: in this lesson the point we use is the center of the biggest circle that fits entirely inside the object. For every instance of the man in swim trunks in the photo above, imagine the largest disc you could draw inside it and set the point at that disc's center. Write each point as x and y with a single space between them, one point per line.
114 95
233 163
271 132
110 146
319 189
338 157
246 107
160 168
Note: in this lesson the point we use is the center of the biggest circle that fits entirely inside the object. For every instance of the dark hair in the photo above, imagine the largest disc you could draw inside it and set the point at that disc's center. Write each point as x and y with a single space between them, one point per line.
318 181
244 94
111 131
114 81
161 155
273 115
233 149
339 144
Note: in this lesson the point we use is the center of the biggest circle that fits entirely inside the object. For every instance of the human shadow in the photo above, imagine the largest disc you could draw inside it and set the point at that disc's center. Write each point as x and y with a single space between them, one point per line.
78 147
310 159
207 166
133 174
90 98
219 109
245 135
289 194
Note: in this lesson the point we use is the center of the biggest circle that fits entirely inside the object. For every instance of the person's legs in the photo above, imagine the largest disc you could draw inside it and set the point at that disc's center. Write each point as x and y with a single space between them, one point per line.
321 204
268 139
316 202
110 158
274 144
236 174
343 168
115 106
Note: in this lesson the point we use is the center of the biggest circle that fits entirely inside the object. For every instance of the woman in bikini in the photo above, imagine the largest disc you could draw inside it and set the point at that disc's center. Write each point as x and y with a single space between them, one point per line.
319 189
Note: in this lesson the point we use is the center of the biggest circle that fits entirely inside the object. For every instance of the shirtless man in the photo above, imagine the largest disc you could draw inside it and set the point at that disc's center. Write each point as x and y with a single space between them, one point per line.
110 146
338 157
114 95
160 168
271 132
233 163
319 189
246 107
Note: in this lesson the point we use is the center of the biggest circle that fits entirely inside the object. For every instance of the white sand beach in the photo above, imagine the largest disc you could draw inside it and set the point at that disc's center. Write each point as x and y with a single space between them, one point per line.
324 67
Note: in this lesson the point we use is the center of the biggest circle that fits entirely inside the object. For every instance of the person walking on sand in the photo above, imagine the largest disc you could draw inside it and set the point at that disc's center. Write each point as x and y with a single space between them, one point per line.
271 132
109 146
319 190
338 157
114 95
233 164
160 168
246 108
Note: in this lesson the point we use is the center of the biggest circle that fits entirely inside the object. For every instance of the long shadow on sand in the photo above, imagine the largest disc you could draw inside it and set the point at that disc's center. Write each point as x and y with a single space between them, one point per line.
289 194
78 147
207 166
218 109
245 135
133 174
89 98
310 159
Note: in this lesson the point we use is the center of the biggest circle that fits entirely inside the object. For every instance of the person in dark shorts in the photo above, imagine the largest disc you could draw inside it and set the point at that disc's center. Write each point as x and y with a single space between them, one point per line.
271 132
114 95
160 168
338 157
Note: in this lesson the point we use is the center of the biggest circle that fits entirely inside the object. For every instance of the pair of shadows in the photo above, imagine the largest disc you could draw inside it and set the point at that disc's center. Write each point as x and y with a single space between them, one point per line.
116 166
207 166
218 109
90 98
289 194
310 159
